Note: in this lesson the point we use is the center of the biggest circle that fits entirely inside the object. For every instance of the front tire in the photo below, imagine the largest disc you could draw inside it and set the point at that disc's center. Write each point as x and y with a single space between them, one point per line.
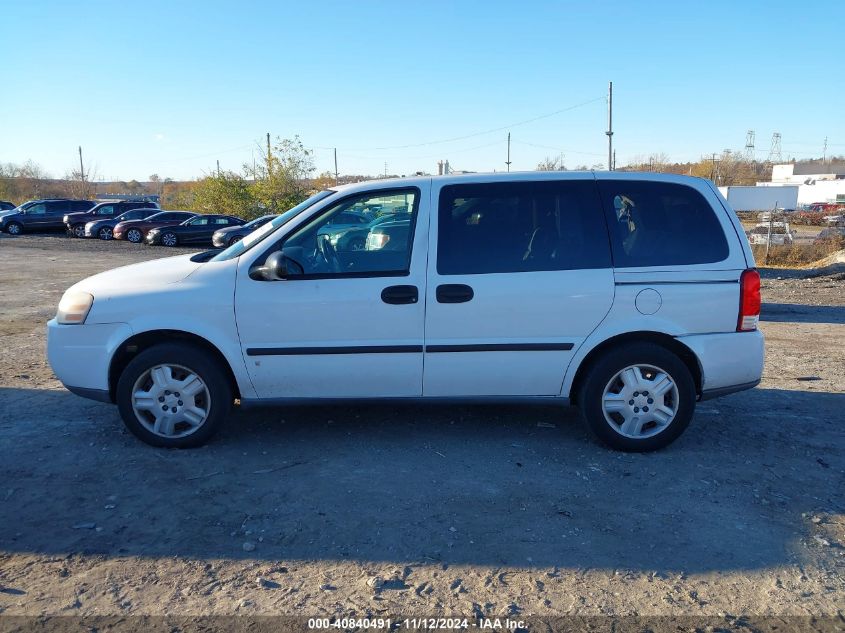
174 395
169 239
78 230
13 228
235 240
105 233
637 397
134 235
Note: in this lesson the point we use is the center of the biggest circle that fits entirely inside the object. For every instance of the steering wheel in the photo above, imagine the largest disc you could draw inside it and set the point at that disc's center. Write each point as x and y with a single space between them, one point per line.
328 253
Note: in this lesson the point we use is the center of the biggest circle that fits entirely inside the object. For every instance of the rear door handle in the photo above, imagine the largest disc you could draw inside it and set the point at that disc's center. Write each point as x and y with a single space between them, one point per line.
454 293
397 295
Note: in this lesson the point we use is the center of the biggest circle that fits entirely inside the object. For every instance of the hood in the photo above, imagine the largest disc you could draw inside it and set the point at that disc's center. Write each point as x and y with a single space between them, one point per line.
228 229
3 214
155 273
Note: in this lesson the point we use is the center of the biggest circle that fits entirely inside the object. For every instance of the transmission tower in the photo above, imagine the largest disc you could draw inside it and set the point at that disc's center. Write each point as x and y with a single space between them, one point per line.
775 155
749 145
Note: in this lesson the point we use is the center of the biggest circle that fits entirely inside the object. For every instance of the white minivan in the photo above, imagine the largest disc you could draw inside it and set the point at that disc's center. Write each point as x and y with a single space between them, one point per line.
629 295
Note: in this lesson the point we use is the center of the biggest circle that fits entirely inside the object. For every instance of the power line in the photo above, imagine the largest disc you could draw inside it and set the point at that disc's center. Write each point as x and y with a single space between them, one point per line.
466 136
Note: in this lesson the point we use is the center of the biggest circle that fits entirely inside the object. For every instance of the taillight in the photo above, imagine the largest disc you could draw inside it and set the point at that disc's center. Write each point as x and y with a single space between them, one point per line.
749 301
376 241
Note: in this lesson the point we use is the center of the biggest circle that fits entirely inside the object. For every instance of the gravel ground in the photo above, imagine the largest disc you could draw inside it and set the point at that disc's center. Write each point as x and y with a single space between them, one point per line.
501 511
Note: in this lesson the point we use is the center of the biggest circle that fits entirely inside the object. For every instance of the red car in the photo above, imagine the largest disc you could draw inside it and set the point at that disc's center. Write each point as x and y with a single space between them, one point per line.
136 230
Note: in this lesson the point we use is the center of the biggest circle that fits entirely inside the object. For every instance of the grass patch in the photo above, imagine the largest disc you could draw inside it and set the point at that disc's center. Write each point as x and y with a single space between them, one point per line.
796 255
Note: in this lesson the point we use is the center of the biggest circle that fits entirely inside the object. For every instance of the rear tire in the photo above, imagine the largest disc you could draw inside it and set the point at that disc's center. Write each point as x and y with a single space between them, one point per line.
135 236
14 228
637 397
78 230
141 397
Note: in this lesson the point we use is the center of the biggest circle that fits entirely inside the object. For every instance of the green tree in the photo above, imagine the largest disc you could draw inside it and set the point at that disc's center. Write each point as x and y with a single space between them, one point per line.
224 192
281 180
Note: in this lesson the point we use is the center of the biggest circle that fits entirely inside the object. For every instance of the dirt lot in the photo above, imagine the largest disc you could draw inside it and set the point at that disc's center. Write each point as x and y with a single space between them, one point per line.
458 510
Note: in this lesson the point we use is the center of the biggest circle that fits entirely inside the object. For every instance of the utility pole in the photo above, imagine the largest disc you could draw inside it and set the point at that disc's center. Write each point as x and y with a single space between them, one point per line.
269 156
336 177
508 161
81 171
824 151
614 161
713 175
609 126
385 169
218 167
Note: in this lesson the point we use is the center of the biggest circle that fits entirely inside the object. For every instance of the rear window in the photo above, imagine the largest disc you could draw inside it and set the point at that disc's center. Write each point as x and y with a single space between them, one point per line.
660 224
520 227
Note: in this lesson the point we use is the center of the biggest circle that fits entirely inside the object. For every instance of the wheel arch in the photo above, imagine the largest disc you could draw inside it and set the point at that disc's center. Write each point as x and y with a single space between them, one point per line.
136 343
671 343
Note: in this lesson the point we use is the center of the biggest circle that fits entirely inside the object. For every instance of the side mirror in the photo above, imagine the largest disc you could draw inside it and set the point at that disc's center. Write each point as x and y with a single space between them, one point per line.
278 267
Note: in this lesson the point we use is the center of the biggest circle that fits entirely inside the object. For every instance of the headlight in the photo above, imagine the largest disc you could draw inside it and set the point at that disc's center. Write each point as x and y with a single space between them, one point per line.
74 308
64 219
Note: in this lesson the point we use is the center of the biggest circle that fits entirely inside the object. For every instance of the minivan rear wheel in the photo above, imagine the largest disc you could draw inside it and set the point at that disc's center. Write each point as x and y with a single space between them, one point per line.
173 395
638 397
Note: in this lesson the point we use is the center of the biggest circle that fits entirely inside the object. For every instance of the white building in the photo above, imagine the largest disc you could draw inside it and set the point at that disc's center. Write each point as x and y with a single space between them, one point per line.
828 186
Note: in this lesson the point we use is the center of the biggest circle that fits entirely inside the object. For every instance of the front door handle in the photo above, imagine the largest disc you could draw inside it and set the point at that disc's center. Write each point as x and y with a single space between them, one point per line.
454 293
397 295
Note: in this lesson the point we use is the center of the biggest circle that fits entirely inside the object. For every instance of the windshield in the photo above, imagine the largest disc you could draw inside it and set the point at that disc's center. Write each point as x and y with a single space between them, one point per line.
238 248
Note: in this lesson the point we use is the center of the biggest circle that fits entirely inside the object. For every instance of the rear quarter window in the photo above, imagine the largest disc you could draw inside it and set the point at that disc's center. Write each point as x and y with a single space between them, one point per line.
660 224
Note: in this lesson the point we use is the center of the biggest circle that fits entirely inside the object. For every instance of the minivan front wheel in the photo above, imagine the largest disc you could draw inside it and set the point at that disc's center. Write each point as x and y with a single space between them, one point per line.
173 395
13 228
638 397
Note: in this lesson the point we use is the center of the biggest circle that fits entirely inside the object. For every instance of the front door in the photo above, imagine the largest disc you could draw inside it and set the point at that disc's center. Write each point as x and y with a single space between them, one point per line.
520 274
344 323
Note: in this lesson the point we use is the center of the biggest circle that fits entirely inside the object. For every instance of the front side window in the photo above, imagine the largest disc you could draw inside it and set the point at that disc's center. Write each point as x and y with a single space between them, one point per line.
37 209
106 209
520 227
660 224
327 246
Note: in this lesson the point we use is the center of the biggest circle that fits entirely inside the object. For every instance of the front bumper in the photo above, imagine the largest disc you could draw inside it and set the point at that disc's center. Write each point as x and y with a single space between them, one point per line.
153 238
80 355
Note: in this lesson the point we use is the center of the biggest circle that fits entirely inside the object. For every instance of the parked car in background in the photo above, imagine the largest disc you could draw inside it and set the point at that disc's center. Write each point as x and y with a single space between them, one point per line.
354 238
197 230
75 222
831 234
781 235
104 227
344 220
388 236
231 234
630 295
41 215
6 205
136 230
835 220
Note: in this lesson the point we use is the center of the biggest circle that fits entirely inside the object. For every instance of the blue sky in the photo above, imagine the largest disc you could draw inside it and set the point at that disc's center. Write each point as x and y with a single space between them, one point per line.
169 87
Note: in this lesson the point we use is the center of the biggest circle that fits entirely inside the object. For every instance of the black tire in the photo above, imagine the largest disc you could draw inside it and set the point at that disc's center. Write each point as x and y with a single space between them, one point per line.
196 360
105 233
235 239
604 368
131 232
14 228
77 230
169 239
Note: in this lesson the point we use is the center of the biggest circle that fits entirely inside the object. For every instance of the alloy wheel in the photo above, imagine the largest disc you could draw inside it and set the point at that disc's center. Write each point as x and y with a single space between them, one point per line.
105 233
640 401
134 235
79 230
168 239
171 401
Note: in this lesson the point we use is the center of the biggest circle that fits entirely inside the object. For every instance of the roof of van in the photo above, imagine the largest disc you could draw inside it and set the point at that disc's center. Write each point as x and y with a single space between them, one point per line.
517 176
